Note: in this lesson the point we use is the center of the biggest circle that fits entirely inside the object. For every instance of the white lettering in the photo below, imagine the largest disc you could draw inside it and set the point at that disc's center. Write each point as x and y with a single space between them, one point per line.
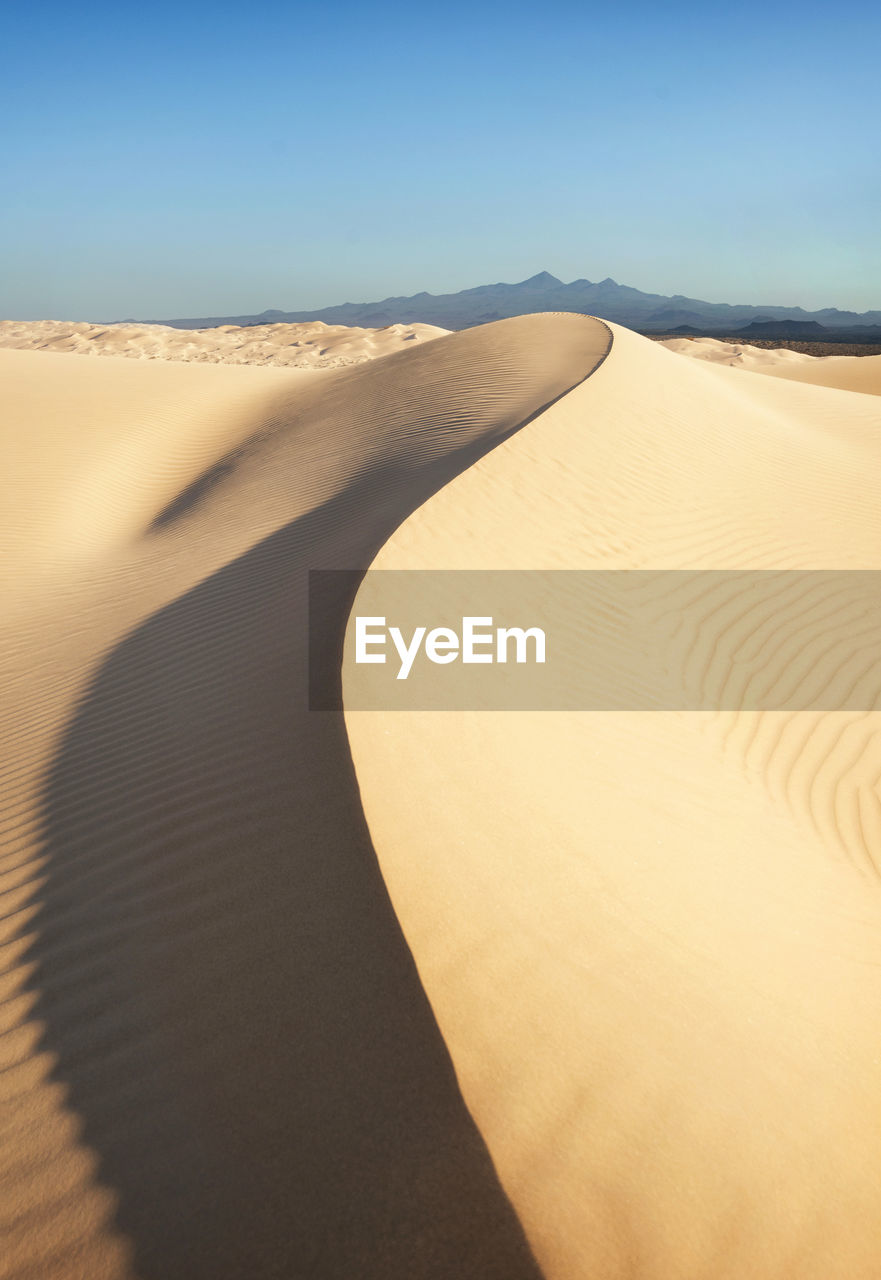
519 637
407 653
363 638
470 638
442 645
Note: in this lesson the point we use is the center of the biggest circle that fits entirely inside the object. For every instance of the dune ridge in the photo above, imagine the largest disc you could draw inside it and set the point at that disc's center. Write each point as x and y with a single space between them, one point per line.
217 1057
651 939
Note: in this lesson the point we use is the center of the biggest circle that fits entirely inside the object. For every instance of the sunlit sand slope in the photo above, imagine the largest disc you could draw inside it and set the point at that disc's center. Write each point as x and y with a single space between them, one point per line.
653 939
216 1056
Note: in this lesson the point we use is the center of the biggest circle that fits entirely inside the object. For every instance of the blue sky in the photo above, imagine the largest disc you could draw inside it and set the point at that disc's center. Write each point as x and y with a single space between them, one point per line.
208 159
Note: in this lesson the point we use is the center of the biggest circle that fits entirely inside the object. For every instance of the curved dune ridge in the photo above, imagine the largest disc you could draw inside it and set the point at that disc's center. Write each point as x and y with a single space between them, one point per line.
652 940
217 1058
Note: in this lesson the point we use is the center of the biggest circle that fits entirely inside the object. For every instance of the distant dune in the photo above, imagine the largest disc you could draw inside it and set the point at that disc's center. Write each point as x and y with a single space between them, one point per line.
493 996
302 346
845 372
315 345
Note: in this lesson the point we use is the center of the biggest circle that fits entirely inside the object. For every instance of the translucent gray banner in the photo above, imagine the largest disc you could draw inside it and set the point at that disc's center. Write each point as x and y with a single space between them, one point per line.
600 640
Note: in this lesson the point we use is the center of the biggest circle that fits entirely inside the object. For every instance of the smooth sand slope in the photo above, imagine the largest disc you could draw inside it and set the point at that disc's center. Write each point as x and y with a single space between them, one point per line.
652 940
847 373
306 346
217 1058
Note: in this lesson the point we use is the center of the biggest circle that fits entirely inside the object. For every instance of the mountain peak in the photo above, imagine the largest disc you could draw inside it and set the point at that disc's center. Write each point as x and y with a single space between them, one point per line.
544 280
645 312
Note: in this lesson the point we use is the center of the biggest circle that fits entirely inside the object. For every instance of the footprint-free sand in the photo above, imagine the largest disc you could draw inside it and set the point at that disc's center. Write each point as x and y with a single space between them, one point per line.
422 995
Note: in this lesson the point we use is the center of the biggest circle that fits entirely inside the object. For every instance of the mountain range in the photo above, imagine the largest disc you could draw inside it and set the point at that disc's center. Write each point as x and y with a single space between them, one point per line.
647 312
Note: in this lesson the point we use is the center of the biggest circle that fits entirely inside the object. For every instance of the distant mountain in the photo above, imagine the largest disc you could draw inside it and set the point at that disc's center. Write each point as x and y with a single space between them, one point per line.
809 330
788 330
649 312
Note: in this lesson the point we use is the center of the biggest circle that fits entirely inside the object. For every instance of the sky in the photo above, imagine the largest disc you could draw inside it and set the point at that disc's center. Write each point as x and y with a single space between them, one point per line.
197 159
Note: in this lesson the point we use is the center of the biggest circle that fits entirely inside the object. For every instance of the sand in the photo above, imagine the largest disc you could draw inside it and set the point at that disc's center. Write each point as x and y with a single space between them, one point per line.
652 939
847 373
217 1058
304 346
299 994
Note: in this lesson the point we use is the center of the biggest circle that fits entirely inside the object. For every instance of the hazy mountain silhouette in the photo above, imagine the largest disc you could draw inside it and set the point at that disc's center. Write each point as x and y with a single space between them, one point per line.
650 312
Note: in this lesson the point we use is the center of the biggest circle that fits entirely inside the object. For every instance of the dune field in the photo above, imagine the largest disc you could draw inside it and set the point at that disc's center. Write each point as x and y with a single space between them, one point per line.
293 993
304 346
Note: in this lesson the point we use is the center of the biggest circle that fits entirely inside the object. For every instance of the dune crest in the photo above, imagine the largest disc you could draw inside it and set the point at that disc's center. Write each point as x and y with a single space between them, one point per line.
652 939
217 1057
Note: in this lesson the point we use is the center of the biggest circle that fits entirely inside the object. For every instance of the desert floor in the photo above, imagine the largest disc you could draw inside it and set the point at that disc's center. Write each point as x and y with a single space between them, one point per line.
300 994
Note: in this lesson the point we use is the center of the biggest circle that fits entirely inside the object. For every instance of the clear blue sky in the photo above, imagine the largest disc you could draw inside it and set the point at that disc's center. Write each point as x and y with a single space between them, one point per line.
212 158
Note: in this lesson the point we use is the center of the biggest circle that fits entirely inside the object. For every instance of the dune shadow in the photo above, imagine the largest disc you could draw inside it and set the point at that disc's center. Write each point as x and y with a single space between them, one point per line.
194 493
232 1009
234 1012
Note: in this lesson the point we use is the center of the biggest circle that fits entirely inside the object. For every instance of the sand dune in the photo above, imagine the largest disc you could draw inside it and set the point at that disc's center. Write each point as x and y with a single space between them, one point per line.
580 995
217 1058
304 346
652 939
91 448
847 373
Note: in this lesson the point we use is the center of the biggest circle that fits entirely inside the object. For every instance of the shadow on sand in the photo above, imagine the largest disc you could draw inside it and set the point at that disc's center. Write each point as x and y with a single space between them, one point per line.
236 1017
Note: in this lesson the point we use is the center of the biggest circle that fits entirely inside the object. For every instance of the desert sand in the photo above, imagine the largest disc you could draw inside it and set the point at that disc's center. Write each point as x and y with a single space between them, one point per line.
304 346
652 939
218 1060
299 994
847 373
